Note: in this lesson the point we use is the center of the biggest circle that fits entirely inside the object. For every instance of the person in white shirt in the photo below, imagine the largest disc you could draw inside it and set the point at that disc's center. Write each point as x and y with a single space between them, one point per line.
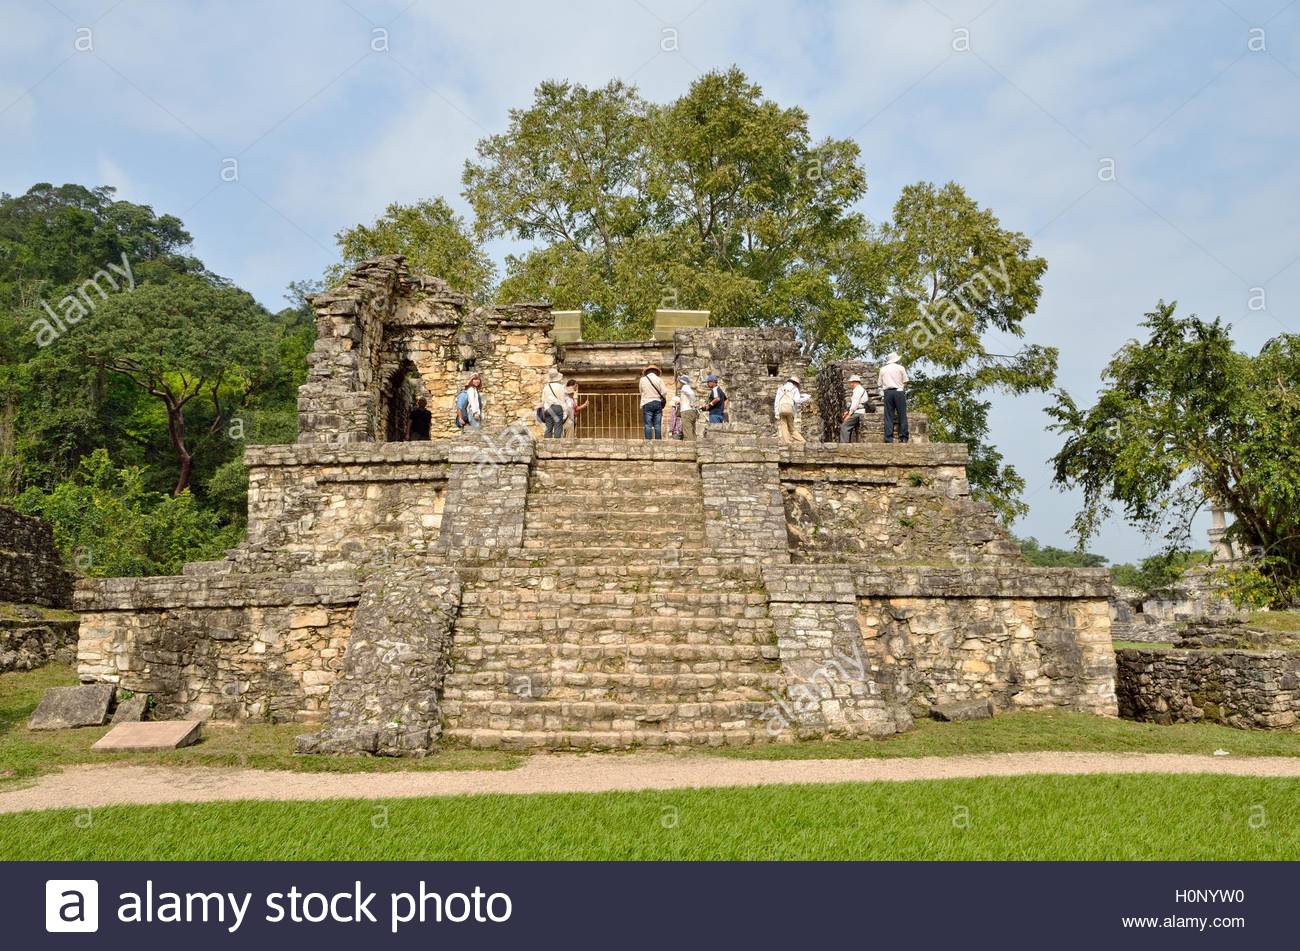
469 404
686 408
789 397
653 400
572 407
552 409
893 387
851 421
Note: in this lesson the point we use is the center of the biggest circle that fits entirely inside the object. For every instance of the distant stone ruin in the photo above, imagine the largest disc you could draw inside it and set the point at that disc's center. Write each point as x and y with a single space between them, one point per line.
501 590
35 590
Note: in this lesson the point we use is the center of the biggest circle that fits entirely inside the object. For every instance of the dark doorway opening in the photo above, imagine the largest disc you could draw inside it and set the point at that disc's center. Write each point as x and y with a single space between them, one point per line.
404 390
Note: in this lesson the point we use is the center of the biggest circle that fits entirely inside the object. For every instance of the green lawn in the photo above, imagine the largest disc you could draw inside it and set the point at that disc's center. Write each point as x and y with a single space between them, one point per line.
1041 817
24 753
1036 731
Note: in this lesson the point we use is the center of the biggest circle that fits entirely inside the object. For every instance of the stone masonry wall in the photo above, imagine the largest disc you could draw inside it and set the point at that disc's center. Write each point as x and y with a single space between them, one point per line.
383 325
222 648
908 504
363 502
31 571
386 698
752 363
1244 689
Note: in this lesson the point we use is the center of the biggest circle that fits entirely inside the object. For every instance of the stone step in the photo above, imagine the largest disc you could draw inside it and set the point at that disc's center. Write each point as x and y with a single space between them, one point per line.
598 515
634 485
541 538
635 657
608 716
610 740
490 632
488 686
675 600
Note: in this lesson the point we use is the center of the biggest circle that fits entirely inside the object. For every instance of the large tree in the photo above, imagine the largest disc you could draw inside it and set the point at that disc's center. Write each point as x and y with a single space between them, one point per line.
1186 421
722 200
950 288
434 239
177 342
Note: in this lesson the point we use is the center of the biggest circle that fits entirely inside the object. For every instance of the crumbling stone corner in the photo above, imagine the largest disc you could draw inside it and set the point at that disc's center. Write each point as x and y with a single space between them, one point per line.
385 700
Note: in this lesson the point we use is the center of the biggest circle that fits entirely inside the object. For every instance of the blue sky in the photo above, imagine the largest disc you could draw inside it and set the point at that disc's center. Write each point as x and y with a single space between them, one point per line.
1194 102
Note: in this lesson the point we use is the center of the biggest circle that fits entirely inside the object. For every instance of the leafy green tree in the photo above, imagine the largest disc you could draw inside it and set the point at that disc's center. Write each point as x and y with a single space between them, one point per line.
434 240
720 200
108 524
947 275
1186 420
178 342
1158 571
1049 556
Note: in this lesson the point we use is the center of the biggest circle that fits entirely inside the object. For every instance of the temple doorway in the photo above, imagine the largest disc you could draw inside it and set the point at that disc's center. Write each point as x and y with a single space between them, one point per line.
401 394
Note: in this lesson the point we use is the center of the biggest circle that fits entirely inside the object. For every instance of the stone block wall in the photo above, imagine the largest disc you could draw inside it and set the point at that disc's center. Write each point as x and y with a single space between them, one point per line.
870 503
752 363
509 347
386 698
227 648
385 327
31 571
1244 689
357 503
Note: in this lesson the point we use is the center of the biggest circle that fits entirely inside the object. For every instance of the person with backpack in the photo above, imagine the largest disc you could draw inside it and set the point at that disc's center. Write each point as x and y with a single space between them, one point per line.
789 397
893 387
469 404
653 401
718 400
551 412
851 421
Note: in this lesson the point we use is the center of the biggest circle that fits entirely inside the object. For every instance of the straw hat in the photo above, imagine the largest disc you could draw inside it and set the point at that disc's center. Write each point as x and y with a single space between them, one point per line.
795 381
855 379
650 369
893 357
554 376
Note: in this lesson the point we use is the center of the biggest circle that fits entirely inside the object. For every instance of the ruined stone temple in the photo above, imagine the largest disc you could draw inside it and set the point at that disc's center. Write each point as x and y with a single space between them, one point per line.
499 589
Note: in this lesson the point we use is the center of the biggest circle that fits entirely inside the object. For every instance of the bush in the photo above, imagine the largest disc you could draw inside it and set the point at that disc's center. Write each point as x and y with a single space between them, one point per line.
107 524
1159 571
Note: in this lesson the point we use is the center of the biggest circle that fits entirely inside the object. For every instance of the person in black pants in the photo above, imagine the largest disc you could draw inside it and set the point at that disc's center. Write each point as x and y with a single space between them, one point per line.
893 387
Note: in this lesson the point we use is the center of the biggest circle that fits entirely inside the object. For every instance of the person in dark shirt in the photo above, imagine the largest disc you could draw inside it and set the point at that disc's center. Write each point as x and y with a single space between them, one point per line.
419 421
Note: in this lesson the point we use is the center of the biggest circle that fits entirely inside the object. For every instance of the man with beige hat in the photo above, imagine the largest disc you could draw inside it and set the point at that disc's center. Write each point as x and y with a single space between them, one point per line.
851 421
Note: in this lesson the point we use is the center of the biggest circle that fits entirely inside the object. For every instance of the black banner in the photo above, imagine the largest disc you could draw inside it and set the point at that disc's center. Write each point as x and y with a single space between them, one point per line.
647 905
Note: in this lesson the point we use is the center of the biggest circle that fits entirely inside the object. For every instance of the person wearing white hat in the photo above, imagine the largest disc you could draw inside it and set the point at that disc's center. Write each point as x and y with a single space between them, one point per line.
551 412
789 397
893 387
851 421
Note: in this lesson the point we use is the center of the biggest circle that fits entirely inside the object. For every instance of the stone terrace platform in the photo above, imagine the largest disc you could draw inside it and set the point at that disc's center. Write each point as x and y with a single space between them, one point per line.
500 591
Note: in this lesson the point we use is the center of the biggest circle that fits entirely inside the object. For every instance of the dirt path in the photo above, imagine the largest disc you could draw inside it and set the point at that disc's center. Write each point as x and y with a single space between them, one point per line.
94 786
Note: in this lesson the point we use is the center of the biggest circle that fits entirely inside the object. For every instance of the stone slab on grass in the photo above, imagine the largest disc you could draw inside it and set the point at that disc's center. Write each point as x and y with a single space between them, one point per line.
65 707
131 711
966 710
156 735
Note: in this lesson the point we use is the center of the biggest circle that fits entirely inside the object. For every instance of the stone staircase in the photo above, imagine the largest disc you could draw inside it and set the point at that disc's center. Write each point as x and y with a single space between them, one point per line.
611 629
640 504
